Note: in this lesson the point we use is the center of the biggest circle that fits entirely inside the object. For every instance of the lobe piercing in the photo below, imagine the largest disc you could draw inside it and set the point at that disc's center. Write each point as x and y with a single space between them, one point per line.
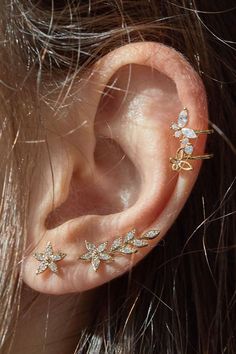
48 259
126 245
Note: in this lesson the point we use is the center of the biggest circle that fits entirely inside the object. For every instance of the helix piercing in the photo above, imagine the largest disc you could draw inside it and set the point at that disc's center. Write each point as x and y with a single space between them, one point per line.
184 153
185 134
48 259
126 245
180 161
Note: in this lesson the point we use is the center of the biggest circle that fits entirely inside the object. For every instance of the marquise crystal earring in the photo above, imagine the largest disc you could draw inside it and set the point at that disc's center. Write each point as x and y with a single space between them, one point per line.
125 245
185 151
48 259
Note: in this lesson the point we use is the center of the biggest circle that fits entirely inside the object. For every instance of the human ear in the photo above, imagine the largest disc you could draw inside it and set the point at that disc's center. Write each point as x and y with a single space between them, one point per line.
106 169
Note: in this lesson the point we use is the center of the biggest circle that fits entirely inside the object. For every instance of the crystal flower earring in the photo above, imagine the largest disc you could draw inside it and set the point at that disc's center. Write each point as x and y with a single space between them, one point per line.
120 246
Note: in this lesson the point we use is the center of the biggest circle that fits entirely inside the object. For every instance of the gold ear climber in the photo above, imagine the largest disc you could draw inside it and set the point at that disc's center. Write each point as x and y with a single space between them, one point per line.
48 259
185 135
126 245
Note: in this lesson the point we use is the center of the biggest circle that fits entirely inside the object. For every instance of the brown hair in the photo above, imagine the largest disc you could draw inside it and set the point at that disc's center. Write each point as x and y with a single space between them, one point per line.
181 298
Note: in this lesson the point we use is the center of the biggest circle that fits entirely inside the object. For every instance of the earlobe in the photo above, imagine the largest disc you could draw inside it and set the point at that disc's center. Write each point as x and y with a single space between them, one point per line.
120 176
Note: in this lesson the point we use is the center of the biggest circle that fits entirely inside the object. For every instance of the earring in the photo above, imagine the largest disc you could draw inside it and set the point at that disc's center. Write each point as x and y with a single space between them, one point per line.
184 153
126 245
48 259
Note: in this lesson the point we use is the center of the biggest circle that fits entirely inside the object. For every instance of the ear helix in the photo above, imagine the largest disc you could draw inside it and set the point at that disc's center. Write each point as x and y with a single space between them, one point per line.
185 151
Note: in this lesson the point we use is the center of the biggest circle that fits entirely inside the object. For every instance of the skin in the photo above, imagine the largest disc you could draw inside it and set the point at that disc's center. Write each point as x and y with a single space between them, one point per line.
99 195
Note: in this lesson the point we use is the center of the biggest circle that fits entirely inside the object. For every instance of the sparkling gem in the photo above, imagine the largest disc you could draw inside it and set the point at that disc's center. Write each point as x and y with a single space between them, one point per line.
183 118
42 267
139 243
174 126
184 141
188 149
102 246
178 134
127 250
90 246
104 256
130 235
151 234
189 133
116 244
53 267
95 263
86 256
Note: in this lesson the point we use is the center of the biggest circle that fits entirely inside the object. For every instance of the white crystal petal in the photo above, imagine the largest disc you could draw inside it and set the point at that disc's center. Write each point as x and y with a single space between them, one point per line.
183 118
188 149
102 246
175 126
189 133
42 267
127 250
104 256
58 256
53 267
178 134
39 256
49 250
90 246
184 141
95 263
139 243
116 244
86 256
151 233
130 235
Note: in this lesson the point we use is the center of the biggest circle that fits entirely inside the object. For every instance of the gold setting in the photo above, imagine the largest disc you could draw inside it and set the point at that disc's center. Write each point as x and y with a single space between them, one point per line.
126 245
185 151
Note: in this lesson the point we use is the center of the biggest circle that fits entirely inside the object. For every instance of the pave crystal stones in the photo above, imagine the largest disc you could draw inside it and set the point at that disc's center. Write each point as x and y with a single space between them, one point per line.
184 133
184 153
126 245
48 259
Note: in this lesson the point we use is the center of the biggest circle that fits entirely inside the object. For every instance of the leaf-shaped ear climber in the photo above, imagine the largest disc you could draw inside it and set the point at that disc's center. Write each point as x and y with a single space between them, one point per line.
126 245
184 153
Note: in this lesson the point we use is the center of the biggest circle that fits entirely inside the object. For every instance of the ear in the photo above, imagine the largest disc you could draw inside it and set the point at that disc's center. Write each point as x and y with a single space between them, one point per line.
106 167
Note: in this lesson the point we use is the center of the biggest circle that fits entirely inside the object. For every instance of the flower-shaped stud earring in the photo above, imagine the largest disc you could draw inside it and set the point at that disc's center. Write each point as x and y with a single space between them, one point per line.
48 259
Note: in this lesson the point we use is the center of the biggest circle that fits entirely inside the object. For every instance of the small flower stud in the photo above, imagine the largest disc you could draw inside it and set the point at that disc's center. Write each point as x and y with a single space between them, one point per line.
48 259
96 254
126 245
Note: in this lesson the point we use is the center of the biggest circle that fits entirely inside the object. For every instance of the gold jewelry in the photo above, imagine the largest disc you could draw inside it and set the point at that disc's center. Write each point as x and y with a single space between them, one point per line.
126 245
184 153
184 134
180 161
48 259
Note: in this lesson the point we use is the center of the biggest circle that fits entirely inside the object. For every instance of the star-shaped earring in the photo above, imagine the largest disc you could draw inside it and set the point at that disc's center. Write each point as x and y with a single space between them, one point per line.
48 259
96 254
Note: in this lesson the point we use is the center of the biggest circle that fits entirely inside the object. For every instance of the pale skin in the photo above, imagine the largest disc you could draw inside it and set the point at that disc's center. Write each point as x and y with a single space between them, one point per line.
153 83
